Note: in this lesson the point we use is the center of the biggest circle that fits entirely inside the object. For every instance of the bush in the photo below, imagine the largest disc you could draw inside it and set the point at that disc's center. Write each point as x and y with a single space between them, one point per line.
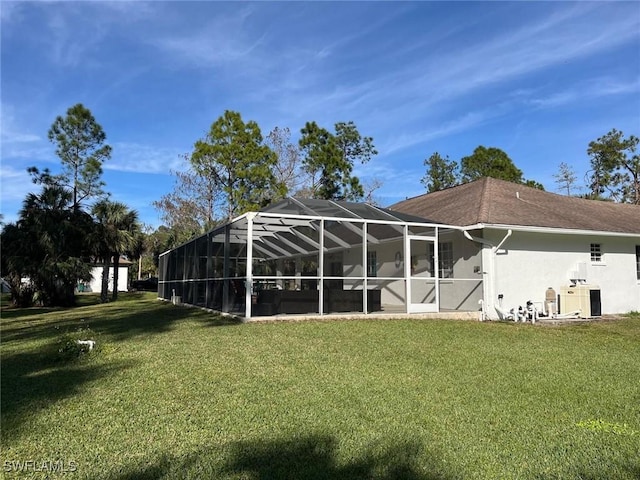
68 347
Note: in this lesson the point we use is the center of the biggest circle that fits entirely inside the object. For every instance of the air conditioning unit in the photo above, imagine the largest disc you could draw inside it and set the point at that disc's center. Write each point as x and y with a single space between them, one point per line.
585 298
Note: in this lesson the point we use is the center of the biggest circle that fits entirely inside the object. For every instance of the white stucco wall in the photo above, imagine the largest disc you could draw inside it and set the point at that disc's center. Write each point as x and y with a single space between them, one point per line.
96 283
465 289
459 293
531 262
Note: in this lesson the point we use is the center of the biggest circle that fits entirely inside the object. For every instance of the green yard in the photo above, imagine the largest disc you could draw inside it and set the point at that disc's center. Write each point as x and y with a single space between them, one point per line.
179 393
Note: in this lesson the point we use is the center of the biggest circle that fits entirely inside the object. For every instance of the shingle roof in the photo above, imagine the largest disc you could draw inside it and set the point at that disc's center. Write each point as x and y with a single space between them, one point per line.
497 202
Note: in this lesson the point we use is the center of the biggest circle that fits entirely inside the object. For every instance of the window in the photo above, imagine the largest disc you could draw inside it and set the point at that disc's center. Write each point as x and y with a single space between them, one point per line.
445 251
372 264
596 253
638 262
445 259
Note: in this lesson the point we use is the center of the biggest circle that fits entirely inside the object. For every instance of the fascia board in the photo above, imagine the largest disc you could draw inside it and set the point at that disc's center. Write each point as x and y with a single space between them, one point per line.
559 231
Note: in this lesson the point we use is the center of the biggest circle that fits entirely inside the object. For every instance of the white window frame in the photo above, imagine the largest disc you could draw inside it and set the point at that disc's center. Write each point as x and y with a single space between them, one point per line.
597 257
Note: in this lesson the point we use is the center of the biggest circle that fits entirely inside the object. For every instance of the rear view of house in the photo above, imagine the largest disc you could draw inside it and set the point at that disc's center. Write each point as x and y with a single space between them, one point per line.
534 242
474 250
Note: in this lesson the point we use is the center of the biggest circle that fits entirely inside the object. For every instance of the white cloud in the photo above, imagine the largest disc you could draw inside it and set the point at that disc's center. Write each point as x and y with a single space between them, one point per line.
10 131
223 40
434 129
10 12
15 183
18 142
134 157
596 88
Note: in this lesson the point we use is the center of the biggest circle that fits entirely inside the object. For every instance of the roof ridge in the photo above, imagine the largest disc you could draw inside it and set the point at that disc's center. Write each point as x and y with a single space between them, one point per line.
484 204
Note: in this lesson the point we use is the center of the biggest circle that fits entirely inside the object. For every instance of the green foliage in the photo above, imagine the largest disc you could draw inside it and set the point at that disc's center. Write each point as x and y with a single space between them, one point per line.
489 162
234 157
615 168
48 246
79 141
117 231
68 348
441 173
329 160
495 163
533 184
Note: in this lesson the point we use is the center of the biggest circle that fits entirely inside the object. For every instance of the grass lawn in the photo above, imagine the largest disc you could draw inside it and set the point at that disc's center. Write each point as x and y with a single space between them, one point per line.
180 393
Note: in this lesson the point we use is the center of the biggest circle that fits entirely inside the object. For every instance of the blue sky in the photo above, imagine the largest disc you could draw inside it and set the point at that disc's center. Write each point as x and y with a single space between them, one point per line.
539 80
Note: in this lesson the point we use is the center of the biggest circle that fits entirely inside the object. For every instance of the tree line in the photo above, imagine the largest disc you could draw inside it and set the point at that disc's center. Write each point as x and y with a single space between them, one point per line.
71 224
234 169
614 173
58 237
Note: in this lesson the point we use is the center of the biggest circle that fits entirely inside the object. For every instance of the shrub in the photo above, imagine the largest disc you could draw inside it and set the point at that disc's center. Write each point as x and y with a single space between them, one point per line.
68 347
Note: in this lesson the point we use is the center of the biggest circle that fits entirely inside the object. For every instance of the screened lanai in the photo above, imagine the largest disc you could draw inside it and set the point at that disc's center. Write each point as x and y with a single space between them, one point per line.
317 257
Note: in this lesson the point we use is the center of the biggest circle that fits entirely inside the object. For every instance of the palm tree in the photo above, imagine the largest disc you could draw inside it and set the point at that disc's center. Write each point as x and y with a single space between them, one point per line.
50 245
117 230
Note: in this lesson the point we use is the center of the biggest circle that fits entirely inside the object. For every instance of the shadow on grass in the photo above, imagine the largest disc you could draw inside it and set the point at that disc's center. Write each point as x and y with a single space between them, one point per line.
10 313
160 317
309 458
132 315
30 382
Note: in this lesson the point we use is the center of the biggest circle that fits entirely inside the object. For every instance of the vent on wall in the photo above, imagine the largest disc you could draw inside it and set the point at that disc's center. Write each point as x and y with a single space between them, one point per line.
579 275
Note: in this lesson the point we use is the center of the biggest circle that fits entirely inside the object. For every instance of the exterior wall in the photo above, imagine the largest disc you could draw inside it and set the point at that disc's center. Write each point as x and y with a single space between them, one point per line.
529 263
464 290
96 283
392 291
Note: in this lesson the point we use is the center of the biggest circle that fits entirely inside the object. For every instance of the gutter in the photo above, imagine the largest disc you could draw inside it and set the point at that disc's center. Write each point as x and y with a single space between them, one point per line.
495 248
561 231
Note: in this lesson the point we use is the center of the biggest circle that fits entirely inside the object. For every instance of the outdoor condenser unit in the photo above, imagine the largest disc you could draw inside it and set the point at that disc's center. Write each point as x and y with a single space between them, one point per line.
585 298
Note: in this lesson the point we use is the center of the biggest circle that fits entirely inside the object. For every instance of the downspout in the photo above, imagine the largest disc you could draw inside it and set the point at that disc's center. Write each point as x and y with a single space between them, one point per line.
509 232
494 250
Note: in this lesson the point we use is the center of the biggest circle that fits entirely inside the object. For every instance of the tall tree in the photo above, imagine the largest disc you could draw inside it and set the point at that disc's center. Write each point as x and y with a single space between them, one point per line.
118 229
234 156
79 141
329 159
441 173
495 163
287 169
489 162
193 205
615 168
565 178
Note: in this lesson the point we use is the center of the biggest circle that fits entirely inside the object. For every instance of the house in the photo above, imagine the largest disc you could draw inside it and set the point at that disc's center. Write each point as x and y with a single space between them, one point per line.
476 250
304 256
535 242
95 285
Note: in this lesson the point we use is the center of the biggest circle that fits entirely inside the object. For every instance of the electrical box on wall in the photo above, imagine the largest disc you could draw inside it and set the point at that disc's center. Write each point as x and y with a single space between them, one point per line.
583 298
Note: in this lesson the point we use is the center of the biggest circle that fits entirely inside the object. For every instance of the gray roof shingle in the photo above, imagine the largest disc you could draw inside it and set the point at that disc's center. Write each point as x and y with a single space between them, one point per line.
497 202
